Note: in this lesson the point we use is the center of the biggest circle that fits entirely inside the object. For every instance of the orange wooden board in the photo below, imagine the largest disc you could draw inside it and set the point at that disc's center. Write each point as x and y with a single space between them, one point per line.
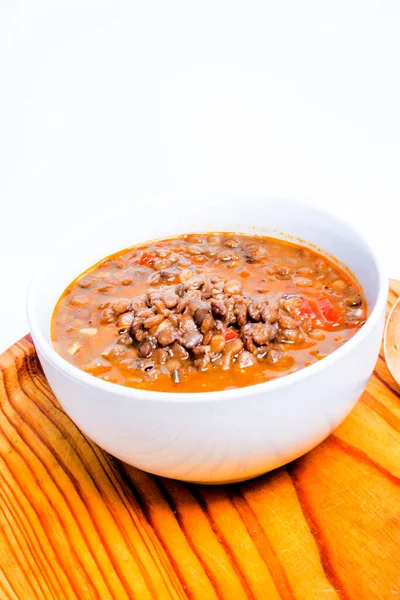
77 523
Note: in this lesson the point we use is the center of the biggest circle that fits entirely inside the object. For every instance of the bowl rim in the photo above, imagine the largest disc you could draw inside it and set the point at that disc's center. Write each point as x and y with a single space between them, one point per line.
71 371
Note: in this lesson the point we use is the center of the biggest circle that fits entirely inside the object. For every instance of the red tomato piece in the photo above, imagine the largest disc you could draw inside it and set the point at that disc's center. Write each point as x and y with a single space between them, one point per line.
148 259
328 310
230 334
307 309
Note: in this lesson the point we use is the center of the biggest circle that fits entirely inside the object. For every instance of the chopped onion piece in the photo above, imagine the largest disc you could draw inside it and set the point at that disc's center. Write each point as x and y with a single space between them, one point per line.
74 348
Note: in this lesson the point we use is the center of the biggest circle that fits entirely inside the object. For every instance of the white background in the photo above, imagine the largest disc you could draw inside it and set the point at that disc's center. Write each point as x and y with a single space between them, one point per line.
105 101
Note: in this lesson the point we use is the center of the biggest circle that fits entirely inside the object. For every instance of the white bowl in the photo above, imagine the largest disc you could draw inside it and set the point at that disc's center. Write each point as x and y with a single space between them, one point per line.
212 437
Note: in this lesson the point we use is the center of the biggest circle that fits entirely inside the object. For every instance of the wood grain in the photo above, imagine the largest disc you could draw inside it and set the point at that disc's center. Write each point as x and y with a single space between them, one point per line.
76 523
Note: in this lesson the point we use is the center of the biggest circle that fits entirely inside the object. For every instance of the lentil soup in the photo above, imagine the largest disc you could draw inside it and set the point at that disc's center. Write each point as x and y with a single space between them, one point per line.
206 312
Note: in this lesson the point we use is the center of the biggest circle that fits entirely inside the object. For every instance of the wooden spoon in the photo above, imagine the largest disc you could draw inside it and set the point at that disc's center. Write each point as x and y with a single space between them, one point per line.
391 342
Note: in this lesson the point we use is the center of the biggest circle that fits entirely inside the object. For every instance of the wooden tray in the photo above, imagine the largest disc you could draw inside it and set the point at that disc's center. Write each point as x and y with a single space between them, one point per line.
76 523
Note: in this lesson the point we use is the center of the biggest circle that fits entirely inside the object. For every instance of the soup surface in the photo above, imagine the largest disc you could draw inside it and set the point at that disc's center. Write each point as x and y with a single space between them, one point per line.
206 312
